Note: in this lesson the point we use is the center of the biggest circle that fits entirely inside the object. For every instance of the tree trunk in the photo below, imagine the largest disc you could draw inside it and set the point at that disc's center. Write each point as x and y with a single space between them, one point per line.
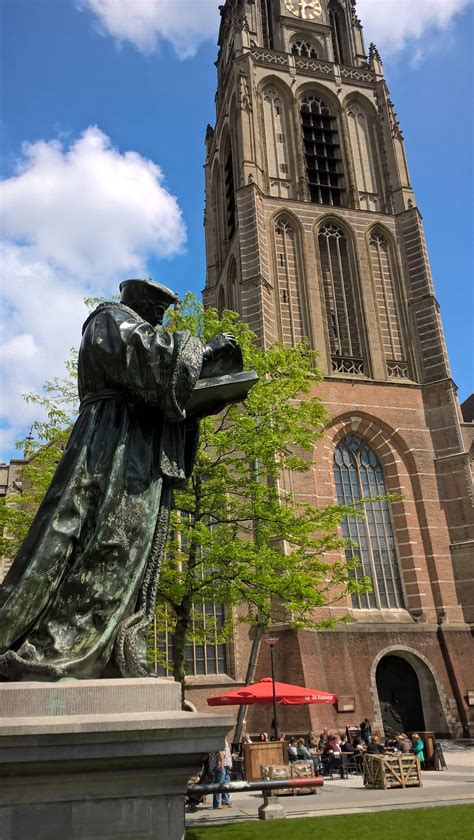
179 645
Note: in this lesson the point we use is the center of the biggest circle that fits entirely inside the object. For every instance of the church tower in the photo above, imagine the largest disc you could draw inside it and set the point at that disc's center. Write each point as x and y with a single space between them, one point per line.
312 229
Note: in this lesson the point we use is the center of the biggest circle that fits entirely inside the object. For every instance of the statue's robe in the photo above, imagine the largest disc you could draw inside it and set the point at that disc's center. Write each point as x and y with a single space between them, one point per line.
84 580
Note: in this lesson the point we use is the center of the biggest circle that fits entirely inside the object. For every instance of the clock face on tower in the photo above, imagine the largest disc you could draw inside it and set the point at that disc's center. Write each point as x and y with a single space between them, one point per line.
306 9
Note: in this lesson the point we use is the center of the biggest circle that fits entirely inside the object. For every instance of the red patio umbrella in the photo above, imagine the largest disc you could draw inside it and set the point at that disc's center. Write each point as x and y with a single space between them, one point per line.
261 693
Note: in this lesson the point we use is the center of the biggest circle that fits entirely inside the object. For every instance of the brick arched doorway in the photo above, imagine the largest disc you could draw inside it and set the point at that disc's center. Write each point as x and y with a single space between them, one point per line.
436 716
399 695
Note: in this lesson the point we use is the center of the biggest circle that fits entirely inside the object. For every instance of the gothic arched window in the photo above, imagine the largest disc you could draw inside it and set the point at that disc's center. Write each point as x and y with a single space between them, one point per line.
322 152
338 33
229 191
304 49
363 144
358 475
383 269
278 164
293 326
340 298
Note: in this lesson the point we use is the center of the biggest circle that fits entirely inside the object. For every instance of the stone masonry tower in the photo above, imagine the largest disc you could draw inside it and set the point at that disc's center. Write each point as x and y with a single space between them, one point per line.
313 229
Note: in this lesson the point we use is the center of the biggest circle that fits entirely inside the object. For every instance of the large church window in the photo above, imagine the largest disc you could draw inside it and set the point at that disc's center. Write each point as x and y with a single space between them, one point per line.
358 474
362 144
340 299
322 152
304 49
202 657
205 652
278 164
229 191
289 291
384 277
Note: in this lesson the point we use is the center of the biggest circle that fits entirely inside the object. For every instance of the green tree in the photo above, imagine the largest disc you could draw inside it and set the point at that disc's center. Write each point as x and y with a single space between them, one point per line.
42 450
238 539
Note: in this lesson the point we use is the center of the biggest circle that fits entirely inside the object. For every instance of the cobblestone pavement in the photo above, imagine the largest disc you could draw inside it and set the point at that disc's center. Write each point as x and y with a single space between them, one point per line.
348 796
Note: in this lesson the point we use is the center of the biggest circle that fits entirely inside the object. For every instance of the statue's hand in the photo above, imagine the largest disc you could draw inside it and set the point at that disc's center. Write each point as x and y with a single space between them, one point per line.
219 346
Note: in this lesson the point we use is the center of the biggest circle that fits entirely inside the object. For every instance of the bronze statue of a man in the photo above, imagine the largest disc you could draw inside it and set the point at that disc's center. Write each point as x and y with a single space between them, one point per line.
82 587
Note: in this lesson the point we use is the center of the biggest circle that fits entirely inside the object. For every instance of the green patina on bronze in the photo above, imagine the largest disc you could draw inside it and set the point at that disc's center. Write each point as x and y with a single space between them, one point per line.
81 590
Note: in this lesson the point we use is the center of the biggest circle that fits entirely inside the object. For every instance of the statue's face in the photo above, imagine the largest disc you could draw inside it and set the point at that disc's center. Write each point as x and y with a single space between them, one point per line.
150 310
155 313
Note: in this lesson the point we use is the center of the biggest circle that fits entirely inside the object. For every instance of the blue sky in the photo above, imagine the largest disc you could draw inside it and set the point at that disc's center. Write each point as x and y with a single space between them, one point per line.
103 114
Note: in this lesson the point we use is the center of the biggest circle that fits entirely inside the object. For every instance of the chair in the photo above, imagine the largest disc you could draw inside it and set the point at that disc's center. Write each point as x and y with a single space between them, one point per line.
327 764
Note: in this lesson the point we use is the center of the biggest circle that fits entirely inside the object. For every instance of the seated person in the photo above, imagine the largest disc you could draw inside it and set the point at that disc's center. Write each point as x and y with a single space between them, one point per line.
293 750
332 745
375 747
403 743
418 748
359 747
312 741
322 739
346 746
359 751
303 754
303 751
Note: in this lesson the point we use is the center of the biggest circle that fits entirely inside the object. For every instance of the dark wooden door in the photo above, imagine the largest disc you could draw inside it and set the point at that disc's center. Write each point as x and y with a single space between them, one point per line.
399 695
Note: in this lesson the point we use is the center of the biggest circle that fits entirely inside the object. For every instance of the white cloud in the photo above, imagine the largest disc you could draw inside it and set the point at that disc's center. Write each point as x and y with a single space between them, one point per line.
184 23
395 24
77 220
392 24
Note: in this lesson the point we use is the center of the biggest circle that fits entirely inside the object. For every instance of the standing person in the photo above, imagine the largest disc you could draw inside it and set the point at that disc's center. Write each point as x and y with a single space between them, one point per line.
221 764
366 731
227 766
216 772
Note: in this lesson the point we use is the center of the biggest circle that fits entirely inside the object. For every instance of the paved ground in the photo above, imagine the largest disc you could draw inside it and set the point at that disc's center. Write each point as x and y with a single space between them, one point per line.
347 796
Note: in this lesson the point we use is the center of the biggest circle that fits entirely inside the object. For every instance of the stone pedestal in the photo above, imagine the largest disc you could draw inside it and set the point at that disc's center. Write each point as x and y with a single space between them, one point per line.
90 759
272 809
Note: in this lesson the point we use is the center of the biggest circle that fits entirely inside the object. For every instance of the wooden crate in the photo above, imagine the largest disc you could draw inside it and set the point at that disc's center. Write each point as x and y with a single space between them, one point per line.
277 771
302 770
391 771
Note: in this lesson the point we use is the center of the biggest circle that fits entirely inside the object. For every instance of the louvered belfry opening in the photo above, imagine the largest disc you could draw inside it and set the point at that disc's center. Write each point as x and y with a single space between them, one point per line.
322 151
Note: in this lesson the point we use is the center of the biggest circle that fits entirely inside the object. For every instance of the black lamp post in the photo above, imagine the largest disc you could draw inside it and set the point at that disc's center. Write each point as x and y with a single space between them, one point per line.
272 641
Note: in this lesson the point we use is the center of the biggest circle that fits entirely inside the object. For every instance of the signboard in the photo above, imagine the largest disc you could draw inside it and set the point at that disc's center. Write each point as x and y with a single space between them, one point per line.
345 703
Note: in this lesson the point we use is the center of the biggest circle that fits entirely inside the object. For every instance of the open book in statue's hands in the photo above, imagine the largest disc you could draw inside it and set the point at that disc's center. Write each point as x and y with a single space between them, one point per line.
223 380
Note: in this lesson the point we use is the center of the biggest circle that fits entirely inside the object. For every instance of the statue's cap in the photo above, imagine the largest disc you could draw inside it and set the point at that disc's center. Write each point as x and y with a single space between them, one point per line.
149 289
